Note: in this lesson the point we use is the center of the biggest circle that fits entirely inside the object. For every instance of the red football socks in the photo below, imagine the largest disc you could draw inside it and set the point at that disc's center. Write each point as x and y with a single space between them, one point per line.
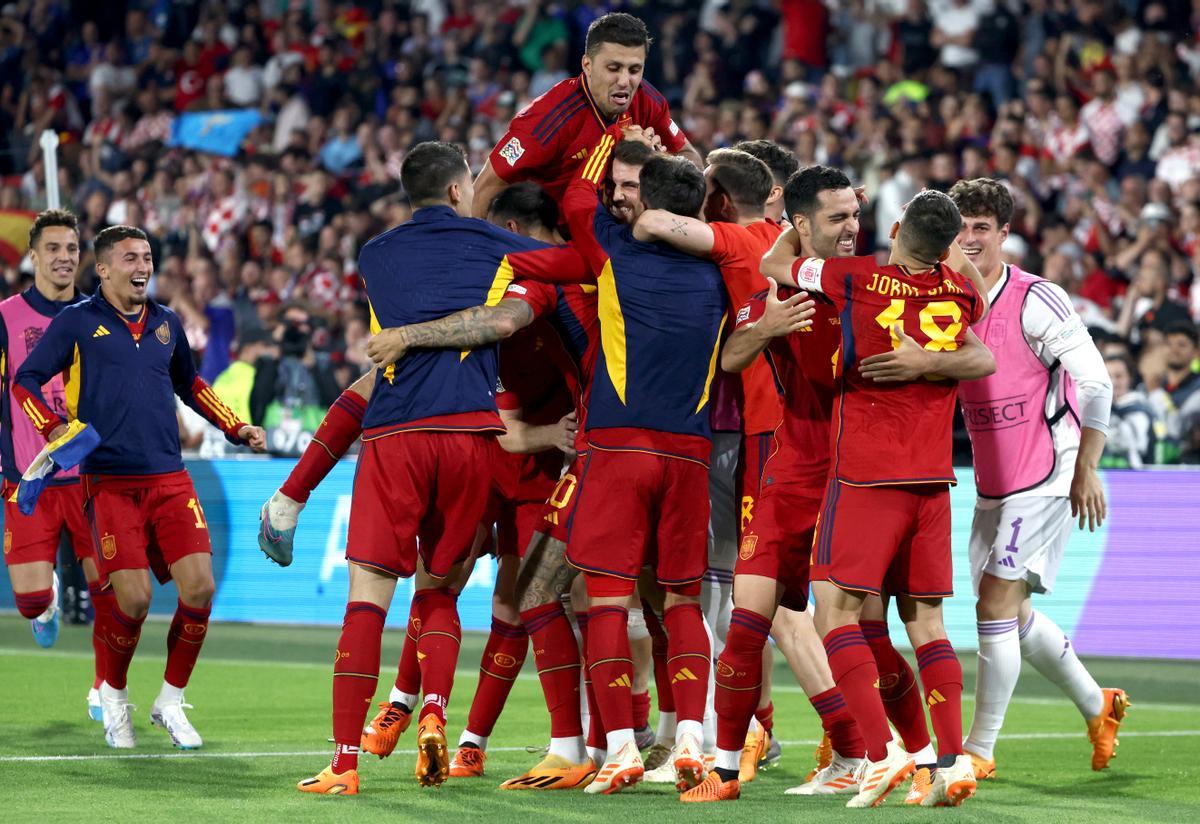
641 709
102 604
597 737
739 676
766 715
121 640
897 687
610 664
853 669
338 431
662 679
556 655
184 640
689 657
33 604
503 657
437 647
941 675
408 673
838 723
355 675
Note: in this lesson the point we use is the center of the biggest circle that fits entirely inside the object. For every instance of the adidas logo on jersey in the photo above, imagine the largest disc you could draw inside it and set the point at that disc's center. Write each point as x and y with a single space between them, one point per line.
100 332
621 681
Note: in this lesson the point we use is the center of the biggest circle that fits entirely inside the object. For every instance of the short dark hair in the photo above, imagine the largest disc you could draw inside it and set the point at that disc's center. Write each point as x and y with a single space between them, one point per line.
632 152
616 27
780 160
527 203
983 197
672 183
800 194
743 177
110 237
52 217
429 169
1185 328
929 225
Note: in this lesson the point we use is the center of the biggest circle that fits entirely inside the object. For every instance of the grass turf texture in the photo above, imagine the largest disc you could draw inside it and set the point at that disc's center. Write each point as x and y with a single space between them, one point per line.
260 690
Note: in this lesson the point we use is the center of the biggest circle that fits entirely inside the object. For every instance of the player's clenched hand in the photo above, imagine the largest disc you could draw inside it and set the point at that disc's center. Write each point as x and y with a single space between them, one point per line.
1087 498
782 317
570 426
57 432
907 362
643 135
254 437
387 346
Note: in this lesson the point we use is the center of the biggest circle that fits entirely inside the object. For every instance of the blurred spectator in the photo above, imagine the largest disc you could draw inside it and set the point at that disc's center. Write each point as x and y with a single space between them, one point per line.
236 384
294 389
1132 427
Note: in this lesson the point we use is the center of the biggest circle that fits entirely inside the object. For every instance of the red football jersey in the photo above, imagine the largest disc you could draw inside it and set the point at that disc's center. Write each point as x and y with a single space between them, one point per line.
892 433
531 379
803 367
738 250
554 135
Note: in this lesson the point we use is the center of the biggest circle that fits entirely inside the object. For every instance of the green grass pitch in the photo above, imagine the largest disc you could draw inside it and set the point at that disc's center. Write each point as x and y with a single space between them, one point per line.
261 696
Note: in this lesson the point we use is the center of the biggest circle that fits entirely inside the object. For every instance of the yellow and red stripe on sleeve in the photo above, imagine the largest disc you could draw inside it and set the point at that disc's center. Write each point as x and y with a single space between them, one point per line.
43 419
218 414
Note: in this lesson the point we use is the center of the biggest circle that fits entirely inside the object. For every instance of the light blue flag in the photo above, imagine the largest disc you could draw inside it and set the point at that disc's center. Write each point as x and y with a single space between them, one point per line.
219 132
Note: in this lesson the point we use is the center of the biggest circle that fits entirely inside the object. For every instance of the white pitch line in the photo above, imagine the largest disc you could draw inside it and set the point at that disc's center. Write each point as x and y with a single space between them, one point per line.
17 759
525 676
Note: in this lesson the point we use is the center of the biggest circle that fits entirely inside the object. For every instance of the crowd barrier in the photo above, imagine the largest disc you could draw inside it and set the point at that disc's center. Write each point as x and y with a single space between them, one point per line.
1130 589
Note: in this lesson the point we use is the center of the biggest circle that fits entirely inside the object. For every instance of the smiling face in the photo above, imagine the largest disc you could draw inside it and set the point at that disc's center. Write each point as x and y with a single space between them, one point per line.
55 259
126 273
832 229
613 75
981 239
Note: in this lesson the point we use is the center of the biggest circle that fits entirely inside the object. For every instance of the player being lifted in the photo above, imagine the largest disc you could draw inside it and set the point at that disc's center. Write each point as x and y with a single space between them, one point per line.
126 358
551 137
885 516
31 541
1037 434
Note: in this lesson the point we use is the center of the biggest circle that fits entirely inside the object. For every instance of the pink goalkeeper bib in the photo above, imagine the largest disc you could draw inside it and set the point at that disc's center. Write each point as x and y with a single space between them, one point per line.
25 327
1006 412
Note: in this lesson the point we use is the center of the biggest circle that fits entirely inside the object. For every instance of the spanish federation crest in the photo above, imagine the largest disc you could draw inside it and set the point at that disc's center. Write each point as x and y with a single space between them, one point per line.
163 333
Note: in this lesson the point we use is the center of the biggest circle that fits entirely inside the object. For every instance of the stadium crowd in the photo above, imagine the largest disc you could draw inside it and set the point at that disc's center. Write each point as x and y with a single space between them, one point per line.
1089 111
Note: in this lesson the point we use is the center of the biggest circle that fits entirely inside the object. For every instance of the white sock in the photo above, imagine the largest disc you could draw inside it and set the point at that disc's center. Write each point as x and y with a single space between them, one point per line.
169 695
619 738
1047 648
995 679
408 699
692 728
598 756
728 759
283 510
926 755
571 748
469 737
666 727
108 693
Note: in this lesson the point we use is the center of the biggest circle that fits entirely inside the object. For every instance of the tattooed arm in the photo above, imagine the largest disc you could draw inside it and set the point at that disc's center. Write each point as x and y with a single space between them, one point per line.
694 237
545 574
467 329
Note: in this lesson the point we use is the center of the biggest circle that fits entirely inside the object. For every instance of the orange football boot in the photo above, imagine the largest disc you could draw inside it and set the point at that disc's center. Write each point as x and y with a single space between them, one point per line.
554 773
824 755
380 736
922 783
984 767
327 782
712 788
752 752
468 763
1102 730
433 762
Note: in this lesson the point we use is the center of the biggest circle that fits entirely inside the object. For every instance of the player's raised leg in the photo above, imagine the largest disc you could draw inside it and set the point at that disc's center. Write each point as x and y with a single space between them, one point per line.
338 431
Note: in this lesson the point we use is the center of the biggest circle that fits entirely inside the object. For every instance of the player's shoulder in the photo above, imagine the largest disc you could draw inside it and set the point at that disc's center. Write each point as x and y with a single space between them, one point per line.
651 95
545 116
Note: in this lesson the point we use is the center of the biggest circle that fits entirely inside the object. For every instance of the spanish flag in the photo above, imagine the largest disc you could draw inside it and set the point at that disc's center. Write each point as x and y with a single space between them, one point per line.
14 234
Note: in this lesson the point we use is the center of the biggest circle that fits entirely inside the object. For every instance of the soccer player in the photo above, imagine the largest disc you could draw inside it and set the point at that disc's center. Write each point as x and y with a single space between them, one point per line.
885 517
125 358
31 541
551 138
425 471
1037 435
735 237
